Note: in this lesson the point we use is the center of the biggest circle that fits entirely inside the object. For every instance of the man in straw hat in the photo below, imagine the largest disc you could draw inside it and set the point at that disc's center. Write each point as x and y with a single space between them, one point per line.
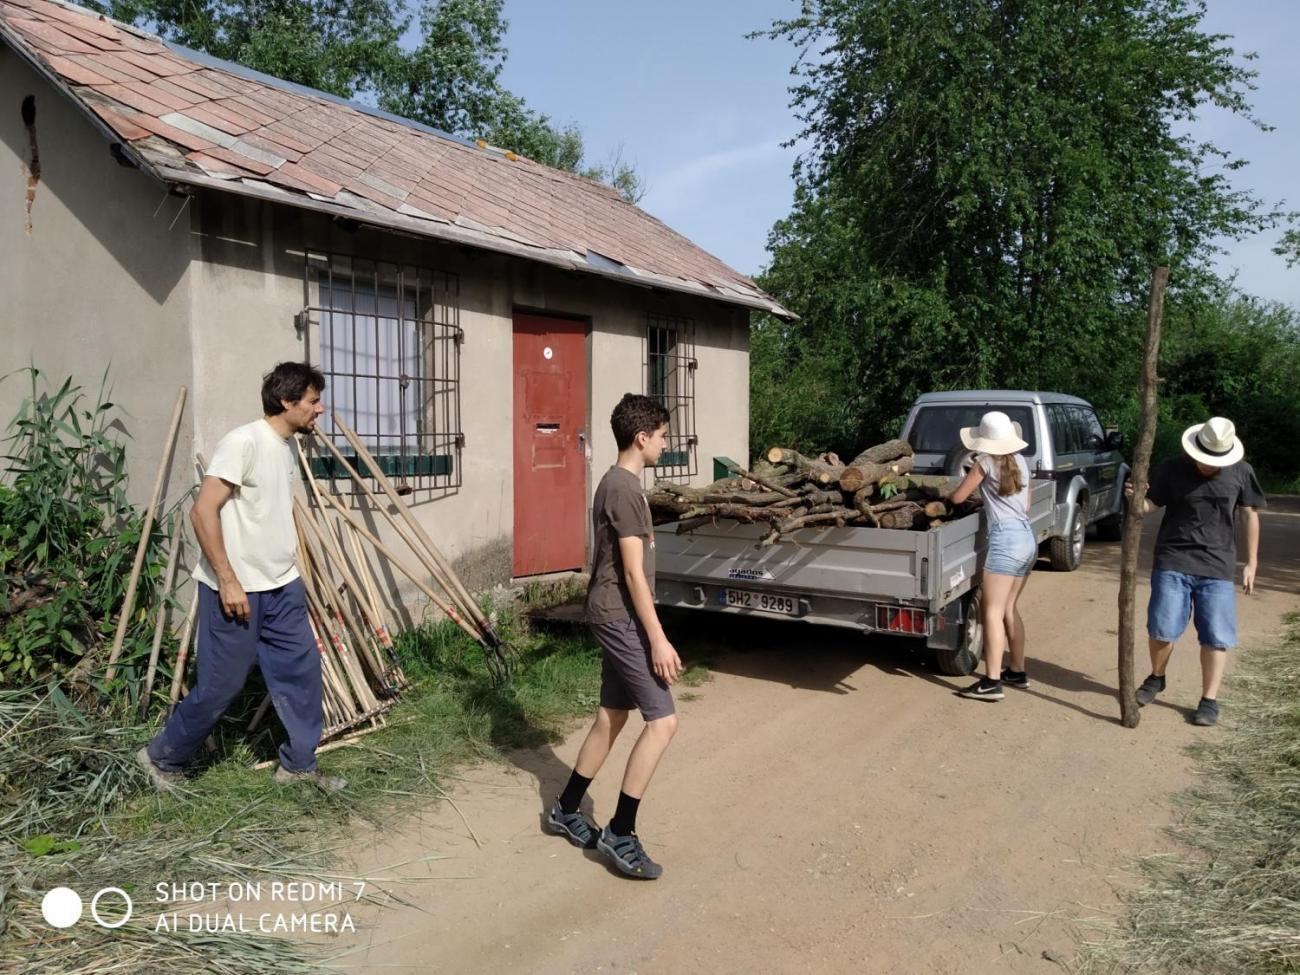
1196 554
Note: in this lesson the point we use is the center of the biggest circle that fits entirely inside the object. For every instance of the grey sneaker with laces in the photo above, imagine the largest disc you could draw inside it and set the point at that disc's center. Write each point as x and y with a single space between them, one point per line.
326 783
1207 713
579 830
628 855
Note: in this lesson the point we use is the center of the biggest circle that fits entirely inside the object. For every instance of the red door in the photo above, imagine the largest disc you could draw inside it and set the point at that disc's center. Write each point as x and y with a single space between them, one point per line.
550 366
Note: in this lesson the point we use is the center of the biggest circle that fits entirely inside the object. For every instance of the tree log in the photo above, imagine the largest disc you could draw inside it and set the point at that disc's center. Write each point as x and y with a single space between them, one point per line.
857 476
882 453
903 516
933 486
817 471
937 509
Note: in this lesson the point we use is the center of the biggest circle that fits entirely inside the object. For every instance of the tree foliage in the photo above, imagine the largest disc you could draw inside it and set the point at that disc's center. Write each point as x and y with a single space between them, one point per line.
449 79
988 185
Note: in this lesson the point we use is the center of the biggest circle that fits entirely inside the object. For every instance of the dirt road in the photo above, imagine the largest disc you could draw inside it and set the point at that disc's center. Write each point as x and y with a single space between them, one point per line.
830 806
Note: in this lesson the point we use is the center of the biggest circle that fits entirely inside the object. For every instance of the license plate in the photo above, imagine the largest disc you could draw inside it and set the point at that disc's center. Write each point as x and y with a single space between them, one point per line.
762 602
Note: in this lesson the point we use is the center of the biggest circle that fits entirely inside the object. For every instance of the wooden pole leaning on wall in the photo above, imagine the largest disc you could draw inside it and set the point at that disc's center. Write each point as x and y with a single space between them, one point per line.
497 651
173 554
1130 714
128 601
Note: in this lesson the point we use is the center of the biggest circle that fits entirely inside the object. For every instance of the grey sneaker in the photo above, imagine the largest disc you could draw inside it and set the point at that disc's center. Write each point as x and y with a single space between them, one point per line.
1207 713
326 783
628 855
578 828
160 779
1150 687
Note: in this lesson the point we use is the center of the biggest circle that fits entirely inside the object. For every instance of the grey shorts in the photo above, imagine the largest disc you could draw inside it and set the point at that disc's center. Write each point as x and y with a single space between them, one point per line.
626 680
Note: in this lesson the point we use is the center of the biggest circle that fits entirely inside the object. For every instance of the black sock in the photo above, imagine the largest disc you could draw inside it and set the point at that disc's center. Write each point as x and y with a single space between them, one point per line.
1159 677
624 821
990 682
572 795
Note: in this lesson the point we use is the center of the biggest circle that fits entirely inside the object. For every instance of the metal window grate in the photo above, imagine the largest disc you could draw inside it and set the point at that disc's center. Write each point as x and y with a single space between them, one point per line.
670 367
387 337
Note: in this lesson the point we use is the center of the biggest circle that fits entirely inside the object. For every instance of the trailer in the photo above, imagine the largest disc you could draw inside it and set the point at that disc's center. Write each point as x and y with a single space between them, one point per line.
920 584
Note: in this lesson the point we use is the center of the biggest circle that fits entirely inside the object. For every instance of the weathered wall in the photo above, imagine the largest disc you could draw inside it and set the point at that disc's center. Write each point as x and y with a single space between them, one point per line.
248 284
102 279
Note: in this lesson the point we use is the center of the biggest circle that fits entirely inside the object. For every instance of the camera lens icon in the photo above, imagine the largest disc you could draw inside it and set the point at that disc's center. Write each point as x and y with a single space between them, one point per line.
62 907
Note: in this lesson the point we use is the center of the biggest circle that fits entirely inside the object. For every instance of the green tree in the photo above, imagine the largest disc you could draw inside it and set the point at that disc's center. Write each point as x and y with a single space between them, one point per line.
987 187
450 78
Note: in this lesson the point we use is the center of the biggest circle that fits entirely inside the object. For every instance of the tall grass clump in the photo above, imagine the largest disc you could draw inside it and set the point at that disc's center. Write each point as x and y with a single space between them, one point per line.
1229 900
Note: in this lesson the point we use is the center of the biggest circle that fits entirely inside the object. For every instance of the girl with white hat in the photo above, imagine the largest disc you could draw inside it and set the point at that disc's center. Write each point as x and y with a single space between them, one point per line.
1001 476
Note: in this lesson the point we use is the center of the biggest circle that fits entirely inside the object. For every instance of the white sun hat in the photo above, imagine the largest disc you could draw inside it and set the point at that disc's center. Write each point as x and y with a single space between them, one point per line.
996 434
1213 443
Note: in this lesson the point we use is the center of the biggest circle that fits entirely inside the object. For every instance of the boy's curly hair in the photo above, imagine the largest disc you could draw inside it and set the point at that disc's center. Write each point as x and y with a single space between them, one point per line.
636 414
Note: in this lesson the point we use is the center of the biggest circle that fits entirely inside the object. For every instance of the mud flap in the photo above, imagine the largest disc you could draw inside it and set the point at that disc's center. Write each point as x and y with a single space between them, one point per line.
946 627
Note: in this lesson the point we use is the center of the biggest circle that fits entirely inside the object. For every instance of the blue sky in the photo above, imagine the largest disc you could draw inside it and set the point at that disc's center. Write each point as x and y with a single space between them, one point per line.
702 112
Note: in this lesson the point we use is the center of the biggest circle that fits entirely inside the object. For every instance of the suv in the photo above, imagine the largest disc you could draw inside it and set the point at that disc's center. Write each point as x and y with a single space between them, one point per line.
1066 443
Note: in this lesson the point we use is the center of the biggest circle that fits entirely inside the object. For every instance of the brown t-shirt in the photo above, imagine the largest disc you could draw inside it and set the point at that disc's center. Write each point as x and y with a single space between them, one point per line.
619 510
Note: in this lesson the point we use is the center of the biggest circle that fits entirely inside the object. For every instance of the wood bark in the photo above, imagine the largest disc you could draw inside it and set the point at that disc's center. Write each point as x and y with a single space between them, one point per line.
933 486
1130 714
816 470
857 476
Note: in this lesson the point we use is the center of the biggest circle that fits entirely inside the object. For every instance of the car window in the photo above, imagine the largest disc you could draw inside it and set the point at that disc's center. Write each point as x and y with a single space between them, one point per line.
936 428
1096 434
1065 434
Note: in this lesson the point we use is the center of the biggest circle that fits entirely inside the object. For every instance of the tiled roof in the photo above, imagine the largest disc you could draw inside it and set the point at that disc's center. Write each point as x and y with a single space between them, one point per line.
191 119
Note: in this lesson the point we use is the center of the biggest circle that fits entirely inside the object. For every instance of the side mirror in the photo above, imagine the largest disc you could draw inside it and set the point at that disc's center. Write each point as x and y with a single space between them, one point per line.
1114 440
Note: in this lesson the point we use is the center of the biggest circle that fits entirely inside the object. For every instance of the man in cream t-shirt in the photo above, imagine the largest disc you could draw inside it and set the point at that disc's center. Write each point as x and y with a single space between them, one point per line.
252 604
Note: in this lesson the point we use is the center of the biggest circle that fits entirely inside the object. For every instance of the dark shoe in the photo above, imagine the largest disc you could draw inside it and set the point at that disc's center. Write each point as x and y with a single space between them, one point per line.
1207 713
326 783
1015 678
578 828
982 690
628 855
1152 686
160 779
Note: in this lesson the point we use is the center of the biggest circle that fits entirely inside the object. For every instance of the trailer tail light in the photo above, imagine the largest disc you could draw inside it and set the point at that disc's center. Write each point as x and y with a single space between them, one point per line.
900 619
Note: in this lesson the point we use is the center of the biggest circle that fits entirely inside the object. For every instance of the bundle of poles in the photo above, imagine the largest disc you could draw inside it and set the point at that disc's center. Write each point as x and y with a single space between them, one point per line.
430 572
787 491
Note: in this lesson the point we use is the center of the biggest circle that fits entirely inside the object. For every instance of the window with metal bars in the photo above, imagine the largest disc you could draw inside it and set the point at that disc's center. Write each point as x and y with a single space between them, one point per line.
387 337
670 367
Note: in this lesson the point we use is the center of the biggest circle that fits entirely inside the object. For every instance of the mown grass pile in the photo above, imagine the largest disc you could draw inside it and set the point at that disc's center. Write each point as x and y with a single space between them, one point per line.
78 812
1230 902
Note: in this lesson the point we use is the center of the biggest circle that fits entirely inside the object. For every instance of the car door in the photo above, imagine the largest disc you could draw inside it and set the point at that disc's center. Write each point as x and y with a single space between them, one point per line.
1104 466
1067 457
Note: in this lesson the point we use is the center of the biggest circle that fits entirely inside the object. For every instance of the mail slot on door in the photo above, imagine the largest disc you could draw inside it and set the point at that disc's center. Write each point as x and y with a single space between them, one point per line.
548 447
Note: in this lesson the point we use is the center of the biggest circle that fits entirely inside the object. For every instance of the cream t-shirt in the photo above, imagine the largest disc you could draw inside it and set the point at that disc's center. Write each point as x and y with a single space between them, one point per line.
257 519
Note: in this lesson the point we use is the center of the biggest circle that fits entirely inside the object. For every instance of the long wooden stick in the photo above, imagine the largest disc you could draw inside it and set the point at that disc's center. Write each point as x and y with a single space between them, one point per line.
183 650
173 554
1130 713
128 601
460 591
406 570
401 532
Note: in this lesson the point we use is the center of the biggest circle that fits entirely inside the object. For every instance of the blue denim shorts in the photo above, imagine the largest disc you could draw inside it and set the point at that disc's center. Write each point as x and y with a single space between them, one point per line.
1012 550
1176 597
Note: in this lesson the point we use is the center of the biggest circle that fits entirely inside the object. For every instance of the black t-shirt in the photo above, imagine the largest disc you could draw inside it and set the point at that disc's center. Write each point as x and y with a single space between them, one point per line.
1198 534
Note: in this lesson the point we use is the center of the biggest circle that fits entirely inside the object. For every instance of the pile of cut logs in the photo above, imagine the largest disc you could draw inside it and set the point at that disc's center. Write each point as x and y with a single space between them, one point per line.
788 491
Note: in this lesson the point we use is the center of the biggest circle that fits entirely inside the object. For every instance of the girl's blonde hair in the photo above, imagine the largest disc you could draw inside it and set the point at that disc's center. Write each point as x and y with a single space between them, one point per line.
1008 475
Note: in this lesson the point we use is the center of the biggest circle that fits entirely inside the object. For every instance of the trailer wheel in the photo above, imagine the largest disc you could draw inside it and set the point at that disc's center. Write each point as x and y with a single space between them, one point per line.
970 649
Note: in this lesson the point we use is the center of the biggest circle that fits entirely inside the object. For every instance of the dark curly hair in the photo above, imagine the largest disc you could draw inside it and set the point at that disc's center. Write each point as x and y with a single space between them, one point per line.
289 381
636 414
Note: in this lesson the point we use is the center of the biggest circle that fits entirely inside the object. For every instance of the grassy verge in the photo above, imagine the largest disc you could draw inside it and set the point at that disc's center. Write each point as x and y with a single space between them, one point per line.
1230 901
82 817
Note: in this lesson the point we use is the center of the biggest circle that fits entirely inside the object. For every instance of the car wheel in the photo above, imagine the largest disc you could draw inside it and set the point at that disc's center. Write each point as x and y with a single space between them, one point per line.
1067 553
970 649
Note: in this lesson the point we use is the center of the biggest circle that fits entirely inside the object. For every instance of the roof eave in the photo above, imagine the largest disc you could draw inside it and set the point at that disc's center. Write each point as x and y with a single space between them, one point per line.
453 233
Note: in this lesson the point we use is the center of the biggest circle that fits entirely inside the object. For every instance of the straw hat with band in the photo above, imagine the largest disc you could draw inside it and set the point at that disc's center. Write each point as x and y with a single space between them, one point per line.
996 434
1213 443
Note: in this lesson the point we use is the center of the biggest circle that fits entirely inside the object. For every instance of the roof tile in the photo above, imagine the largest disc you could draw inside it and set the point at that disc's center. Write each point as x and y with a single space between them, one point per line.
225 122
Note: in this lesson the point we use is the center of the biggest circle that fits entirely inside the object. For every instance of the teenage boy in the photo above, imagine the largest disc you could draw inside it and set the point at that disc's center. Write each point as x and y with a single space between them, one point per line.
1196 554
638 664
252 603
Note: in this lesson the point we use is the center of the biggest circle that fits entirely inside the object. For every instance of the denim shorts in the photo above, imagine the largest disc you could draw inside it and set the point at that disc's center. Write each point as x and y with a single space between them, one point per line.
1012 550
1177 596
